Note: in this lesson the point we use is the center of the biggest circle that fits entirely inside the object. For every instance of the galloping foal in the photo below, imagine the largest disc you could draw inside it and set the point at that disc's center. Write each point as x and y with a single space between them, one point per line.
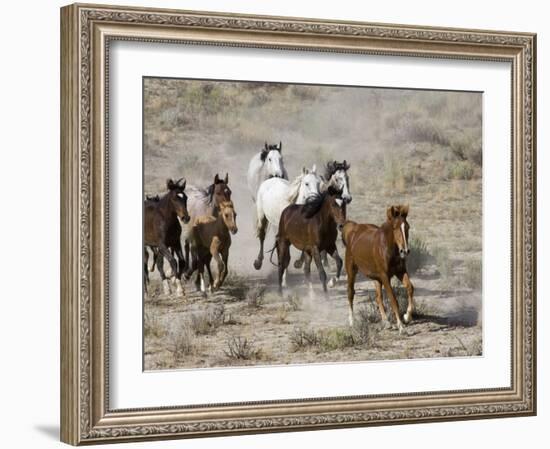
380 253
212 236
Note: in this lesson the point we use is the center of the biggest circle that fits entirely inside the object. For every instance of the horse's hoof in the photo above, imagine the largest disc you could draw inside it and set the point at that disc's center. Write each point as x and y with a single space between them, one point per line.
257 264
298 264
407 318
401 328
332 282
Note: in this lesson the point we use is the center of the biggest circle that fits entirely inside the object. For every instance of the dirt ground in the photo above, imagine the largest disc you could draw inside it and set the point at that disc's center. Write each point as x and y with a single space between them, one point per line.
419 148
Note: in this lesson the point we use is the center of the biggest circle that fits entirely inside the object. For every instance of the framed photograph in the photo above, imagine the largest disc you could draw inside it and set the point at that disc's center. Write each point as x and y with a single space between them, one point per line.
279 224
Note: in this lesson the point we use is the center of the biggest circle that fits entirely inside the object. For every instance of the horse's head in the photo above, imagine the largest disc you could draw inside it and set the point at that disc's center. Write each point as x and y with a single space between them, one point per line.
310 185
178 198
337 207
219 191
397 217
272 159
337 177
229 216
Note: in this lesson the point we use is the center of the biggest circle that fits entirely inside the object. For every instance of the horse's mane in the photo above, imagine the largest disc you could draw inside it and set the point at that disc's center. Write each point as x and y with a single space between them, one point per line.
294 189
199 194
314 204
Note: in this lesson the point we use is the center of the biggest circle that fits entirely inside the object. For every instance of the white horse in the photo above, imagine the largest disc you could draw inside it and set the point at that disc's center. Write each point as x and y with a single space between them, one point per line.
268 163
275 194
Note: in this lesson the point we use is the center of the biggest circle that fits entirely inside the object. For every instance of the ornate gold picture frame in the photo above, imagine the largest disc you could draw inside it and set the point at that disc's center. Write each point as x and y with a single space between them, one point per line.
87 31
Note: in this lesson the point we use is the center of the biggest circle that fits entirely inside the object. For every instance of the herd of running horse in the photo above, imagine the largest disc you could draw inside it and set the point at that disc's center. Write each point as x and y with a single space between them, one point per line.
306 213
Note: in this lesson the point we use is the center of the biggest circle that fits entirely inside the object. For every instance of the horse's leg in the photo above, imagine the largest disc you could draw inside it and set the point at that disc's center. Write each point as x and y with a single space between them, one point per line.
283 253
145 270
324 258
334 253
322 275
393 302
181 268
210 276
261 228
200 276
155 256
186 249
351 269
225 258
159 261
380 301
404 278
299 262
215 251
307 268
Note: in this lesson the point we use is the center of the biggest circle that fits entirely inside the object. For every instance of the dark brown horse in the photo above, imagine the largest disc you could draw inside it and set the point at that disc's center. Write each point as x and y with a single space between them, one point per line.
162 231
311 228
380 253
212 237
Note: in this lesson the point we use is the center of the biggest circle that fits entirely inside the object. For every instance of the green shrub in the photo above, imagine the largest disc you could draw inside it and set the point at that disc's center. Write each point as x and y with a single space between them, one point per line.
419 257
461 170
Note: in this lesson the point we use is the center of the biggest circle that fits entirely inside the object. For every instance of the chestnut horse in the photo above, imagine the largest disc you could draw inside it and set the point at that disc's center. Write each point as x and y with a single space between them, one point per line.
212 239
162 231
380 253
311 228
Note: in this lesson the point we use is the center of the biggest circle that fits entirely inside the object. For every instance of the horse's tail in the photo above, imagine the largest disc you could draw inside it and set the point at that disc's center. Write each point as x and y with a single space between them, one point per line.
271 251
348 226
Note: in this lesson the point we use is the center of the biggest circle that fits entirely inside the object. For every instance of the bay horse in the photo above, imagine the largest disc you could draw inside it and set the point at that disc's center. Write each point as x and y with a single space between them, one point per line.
212 236
268 163
380 252
275 194
204 202
311 228
335 176
162 231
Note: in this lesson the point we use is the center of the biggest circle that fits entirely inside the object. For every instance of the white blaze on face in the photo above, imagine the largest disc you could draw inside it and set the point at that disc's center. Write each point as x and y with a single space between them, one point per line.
274 163
339 202
180 195
406 246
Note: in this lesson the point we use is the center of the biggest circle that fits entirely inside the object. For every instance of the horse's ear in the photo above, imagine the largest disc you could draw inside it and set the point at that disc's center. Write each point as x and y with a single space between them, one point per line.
182 186
280 146
226 180
266 146
170 185
304 171
314 169
346 165
405 211
390 213
216 179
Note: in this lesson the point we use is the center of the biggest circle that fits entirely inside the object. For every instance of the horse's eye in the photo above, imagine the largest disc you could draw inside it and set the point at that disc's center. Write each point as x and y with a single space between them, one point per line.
307 184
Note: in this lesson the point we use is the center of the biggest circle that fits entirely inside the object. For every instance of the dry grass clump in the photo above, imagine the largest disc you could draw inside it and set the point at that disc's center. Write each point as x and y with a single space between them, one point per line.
237 286
255 297
295 302
152 325
241 348
181 342
473 274
207 322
